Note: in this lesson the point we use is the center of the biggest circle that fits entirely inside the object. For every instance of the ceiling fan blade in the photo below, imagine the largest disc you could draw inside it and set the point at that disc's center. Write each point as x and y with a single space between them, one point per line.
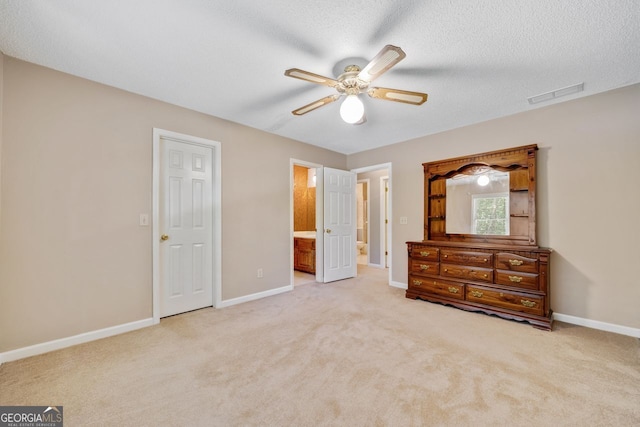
310 77
316 104
385 59
415 98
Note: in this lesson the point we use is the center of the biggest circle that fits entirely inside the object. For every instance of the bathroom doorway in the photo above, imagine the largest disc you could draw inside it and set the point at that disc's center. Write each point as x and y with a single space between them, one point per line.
305 213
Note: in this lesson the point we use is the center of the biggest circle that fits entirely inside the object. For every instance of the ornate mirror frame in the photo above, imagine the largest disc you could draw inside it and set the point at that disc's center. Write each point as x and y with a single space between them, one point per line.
520 162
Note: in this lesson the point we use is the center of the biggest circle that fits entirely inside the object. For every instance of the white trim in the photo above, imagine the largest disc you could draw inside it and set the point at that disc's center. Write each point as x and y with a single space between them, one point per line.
61 343
319 218
399 285
253 297
375 265
217 214
596 324
385 227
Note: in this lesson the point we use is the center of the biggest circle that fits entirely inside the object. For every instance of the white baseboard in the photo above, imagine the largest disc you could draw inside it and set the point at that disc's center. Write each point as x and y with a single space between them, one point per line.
58 344
375 265
595 324
252 297
398 285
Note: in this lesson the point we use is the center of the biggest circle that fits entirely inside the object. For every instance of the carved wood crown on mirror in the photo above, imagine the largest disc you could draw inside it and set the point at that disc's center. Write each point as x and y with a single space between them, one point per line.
495 267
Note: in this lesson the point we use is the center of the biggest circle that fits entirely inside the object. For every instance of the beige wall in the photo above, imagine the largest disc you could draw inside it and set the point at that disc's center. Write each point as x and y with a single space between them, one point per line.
76 174
588 203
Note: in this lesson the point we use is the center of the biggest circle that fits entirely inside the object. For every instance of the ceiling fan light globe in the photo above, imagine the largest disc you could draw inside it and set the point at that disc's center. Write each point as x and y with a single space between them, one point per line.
352 109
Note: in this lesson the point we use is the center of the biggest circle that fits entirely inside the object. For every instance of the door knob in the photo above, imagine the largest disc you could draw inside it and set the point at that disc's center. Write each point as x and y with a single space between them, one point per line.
164 237
328 231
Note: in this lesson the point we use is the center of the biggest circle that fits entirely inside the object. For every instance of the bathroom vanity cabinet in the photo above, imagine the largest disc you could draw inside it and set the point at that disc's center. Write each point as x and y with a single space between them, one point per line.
304 254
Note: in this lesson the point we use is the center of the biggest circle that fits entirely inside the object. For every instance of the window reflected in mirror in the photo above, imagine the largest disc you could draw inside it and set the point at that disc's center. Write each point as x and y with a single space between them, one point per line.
478 204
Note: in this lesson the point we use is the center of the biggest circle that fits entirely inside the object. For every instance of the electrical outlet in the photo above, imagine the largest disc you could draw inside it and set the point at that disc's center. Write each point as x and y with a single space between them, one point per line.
260 274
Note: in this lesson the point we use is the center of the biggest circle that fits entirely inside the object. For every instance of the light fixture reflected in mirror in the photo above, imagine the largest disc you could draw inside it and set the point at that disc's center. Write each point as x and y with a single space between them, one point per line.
483 180
352 109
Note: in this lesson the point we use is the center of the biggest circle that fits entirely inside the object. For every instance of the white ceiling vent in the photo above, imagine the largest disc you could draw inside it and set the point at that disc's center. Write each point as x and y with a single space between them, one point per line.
548 96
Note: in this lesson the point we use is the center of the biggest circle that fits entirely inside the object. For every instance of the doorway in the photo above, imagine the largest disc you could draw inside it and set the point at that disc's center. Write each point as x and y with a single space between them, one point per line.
379 198
362 222
306 248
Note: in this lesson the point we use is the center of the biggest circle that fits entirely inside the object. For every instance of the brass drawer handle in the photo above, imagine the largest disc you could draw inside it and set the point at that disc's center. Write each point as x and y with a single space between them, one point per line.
446 269
424 253
485 260
515 262
453 289
516 279
486 275
527 303
477 294
424 267
446 256
417 282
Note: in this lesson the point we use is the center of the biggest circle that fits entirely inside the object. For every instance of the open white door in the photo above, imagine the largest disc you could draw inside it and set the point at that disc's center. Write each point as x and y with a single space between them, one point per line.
339 224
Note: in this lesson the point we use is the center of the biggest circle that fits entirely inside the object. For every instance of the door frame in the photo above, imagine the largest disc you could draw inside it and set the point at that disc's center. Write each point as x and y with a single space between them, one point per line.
319 217
385 227
388 167
216 175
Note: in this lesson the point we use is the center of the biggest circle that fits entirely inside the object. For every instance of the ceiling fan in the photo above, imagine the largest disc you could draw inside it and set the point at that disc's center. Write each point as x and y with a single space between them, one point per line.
355 81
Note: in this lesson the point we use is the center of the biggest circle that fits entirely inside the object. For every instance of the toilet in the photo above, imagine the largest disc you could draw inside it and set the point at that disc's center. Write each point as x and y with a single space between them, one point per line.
362 247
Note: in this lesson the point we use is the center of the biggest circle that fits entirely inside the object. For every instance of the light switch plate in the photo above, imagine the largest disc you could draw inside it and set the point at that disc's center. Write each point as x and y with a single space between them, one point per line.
144 220
403 220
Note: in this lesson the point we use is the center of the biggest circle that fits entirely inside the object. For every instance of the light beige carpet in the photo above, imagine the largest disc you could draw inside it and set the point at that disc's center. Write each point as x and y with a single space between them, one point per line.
349 353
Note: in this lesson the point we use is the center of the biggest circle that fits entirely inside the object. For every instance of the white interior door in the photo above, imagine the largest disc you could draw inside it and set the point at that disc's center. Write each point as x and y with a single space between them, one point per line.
339 224
185 226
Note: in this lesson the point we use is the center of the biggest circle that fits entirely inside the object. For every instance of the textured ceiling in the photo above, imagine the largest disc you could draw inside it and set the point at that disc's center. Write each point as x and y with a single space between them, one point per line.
477 60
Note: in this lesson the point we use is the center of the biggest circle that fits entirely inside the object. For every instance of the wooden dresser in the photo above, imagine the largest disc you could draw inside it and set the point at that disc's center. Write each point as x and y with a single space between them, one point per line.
480 251
509 282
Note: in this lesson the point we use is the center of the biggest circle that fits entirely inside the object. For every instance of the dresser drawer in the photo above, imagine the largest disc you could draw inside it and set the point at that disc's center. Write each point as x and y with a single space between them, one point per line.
508 261
517 279
425 252
467 272
437 287
475 258
532 304
419 266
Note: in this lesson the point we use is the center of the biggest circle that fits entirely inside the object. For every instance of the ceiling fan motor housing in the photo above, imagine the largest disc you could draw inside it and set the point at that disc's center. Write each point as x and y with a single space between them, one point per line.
349 83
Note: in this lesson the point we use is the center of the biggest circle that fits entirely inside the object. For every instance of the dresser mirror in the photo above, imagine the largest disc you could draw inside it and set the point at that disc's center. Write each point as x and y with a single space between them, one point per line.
482 198
478 203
